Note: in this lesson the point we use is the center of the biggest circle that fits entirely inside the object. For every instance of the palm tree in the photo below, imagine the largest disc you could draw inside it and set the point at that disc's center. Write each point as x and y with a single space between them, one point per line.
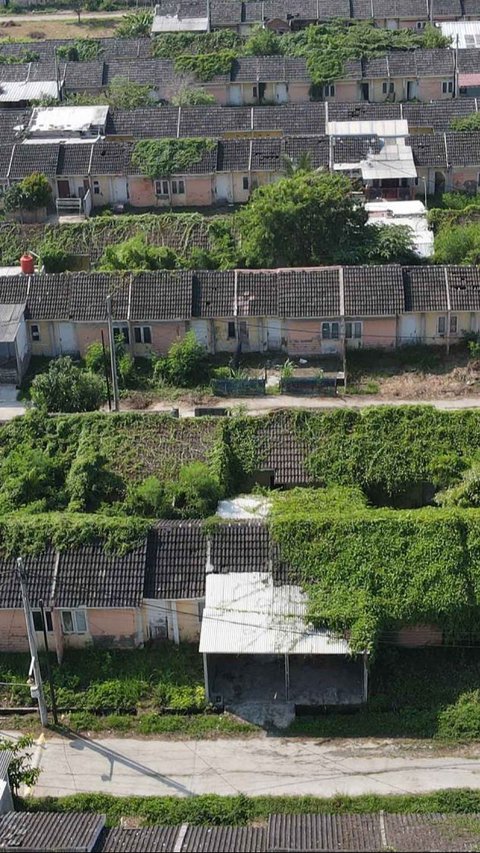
303 163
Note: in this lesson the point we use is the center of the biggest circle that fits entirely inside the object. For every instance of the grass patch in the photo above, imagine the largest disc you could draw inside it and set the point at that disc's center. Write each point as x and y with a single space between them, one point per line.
242 810
414 693
193 727
114 681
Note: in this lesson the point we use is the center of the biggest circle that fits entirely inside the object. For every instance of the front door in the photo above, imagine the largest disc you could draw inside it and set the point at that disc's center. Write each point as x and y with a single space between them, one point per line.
274 333
67 338
235 95
281 94
412 90
223 187
63 188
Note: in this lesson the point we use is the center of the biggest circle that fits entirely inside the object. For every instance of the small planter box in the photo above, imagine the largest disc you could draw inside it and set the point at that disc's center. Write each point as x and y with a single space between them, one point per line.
238 387
210 411
309 386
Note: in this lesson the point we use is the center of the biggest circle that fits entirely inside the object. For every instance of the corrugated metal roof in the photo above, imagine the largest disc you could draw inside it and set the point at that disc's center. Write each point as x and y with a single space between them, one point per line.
174 24
245 613
33 91
369 127
10 318
5 758
37 832
393 161
74 119
464 34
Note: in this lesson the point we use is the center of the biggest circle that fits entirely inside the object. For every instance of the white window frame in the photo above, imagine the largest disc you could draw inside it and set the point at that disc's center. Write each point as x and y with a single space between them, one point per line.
353 330
123 330
246 181
388 87
442 326
178 186
453 324
447 87
35 332
48 613
96 187
162 188
140 331
330 330
329 90
231 330
78 615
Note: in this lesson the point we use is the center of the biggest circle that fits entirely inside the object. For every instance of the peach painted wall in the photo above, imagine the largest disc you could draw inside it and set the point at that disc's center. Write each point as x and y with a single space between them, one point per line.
462 176
253 343
379 332
220 93
163 336
303 336
13 633
346 91
430 89
298 93
188 620
198 192
90 333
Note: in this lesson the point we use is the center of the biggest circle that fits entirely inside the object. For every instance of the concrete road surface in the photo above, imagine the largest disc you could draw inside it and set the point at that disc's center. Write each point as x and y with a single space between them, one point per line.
254 766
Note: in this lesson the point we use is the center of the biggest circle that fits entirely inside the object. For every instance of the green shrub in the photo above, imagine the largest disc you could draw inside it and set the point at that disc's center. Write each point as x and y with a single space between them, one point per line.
461 722
196 492
95 359
185 365
66 388
32 192
90 482
54 258
115 694
206 66
135 25
148 499
180 697
159 158
126 370
30 476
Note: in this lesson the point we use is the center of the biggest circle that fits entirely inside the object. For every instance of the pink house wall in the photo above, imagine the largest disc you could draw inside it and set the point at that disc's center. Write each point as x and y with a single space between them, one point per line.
303 336
430 89
220 93
379 332
198 193
163 336
109 626
462 176
346 91
412 636
298 93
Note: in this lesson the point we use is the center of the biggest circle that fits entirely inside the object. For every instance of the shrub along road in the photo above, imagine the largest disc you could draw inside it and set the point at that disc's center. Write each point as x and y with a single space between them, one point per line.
255 766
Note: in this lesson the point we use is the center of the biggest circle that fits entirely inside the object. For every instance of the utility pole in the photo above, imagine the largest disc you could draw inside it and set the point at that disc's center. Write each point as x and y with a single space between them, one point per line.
113 355
37 688
49 668
105 367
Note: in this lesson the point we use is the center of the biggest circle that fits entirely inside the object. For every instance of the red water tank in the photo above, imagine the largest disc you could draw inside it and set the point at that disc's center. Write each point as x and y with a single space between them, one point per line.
27 264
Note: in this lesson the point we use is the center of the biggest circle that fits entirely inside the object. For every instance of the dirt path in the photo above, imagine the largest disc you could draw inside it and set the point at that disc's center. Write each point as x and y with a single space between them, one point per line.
63 16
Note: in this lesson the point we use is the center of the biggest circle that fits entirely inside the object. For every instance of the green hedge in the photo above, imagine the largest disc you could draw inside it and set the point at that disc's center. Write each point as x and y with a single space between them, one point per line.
240 810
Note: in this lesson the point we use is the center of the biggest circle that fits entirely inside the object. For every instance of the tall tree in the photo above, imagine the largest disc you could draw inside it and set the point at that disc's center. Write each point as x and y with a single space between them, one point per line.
305 219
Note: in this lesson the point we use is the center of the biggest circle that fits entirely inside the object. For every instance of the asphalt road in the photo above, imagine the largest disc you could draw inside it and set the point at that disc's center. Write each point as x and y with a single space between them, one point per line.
254 766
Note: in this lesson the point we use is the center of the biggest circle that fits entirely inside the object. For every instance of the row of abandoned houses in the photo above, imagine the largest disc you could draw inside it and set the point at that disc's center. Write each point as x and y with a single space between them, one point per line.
227 590
410 75
297 311
286 15
87 168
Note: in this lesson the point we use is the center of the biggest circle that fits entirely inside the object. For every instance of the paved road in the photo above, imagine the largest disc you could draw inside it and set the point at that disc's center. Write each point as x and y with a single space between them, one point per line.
255 766
270 403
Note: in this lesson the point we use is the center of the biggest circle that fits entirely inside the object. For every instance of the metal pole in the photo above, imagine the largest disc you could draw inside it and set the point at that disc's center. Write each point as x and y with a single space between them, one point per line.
37 689
105 367
113 355
425 187
49 668
287 679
